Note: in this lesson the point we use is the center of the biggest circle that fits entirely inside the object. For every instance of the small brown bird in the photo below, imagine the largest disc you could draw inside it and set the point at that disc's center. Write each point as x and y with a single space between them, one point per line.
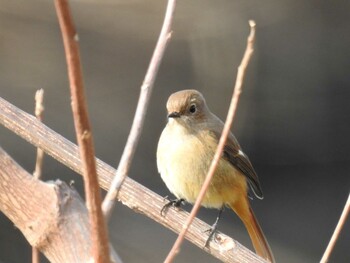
185 151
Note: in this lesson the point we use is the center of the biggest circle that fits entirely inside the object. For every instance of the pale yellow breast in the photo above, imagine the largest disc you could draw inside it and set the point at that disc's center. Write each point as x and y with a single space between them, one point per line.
183 160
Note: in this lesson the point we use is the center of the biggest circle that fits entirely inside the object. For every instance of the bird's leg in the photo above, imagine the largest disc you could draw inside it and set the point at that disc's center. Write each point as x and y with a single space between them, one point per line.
214 227
175 202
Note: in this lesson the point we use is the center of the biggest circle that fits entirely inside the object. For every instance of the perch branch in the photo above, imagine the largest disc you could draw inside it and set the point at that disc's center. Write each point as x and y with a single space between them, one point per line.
132 194
337 231
39 109
140 114
226 130
98 231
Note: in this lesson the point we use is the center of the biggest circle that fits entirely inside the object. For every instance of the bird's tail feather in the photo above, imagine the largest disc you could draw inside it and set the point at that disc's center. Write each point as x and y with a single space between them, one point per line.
261 246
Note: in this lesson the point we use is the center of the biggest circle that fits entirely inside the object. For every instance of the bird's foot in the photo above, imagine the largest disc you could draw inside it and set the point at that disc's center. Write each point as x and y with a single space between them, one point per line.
175 203
211 234
212 230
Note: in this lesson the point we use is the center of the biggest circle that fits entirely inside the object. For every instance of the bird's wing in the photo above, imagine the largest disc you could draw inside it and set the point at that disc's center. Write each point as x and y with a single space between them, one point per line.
234 155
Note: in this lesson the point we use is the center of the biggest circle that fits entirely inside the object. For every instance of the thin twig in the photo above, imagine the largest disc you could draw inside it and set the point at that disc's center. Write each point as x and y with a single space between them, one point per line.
132 194
39 109
337 231
137 125
35 255
98 231
229 119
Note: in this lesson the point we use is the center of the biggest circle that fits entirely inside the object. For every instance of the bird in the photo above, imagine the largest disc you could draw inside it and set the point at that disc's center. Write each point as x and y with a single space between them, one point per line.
185 151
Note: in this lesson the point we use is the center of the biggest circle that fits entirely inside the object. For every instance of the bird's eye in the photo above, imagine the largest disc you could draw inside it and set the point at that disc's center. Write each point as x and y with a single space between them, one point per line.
193 108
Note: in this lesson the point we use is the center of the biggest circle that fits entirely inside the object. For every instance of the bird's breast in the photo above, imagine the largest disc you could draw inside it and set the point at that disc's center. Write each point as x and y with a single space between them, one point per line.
183 160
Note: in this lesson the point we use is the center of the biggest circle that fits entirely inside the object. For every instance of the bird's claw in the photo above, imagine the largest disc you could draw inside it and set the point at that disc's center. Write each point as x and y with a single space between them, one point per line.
211 235
175 203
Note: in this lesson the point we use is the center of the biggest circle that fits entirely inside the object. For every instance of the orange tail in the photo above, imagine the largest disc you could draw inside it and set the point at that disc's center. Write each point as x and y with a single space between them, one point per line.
243 210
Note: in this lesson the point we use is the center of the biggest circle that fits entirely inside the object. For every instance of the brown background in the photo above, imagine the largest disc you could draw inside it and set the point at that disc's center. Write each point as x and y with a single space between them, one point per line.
293 117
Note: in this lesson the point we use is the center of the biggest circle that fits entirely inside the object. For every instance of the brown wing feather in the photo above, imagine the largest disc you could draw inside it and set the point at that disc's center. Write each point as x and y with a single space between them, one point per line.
234 155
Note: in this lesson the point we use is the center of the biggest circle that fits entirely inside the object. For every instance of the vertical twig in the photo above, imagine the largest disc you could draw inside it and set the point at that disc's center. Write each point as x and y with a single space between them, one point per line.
39 109
337 231
137 125
229 119
98 229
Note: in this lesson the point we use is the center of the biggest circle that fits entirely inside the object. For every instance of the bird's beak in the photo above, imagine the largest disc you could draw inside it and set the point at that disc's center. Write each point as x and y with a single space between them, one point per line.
174 114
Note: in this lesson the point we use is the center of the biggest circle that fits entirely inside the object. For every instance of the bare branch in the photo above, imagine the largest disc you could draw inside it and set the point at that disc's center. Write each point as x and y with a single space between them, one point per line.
140 114
337 231
35 255
39 109
98 231
230 116
132 194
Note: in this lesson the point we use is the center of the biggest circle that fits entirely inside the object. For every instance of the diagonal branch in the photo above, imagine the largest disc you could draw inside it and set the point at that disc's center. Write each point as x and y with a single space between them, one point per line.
337 231
140 114
132 194
230 116
98 228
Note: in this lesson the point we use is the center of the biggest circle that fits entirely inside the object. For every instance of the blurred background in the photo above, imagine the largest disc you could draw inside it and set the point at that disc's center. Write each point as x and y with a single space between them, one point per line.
292 120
